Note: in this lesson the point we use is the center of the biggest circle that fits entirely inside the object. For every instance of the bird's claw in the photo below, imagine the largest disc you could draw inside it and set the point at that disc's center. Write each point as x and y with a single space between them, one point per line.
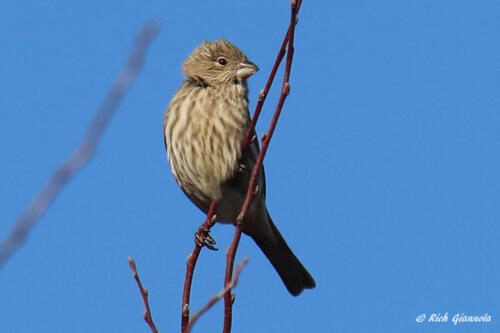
242 168
202 238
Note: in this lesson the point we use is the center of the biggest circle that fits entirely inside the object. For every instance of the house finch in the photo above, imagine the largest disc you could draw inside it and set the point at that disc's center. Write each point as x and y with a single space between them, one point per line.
204 126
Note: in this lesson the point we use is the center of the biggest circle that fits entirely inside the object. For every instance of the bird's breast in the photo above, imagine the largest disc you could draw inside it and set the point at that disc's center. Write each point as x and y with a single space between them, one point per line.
204 142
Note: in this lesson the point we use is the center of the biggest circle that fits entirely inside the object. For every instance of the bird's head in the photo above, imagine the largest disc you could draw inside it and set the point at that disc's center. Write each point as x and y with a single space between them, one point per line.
218 63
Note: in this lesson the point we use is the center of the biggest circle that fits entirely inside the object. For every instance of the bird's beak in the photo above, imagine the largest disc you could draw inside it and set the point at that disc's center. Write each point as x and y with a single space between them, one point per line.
246 69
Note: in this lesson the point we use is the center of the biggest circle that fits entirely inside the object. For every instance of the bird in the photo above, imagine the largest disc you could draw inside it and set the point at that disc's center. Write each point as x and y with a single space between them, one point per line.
204 126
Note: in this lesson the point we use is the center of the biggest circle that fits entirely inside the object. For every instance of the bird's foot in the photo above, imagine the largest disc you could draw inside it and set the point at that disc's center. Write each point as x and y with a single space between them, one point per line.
202 238
254 137
242 168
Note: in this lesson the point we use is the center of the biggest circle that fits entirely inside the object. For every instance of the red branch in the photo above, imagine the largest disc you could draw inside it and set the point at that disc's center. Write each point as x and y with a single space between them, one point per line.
144 293
191 263
84 152
285 90
263 93
229 280
218 296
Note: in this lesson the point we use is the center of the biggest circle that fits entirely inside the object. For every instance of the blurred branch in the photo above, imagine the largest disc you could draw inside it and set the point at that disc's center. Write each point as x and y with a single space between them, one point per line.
144 293
285 90
82 154
218 296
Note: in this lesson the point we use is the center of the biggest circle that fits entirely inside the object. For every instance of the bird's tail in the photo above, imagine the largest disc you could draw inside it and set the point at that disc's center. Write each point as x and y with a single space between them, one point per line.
291 271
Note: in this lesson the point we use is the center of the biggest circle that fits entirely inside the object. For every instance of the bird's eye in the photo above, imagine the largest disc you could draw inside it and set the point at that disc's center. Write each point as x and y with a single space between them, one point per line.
222 61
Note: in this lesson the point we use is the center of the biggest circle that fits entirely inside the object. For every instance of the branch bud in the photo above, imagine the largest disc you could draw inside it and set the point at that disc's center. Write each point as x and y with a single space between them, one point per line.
262 95
185 310
286 89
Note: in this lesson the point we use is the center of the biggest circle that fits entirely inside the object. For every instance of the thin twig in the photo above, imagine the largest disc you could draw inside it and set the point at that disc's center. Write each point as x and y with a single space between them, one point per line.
191 263
144 293
285 90
218 296
82 154
263 93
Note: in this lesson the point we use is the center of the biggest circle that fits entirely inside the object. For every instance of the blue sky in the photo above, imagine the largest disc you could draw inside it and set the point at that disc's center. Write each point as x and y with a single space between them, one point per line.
382 175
